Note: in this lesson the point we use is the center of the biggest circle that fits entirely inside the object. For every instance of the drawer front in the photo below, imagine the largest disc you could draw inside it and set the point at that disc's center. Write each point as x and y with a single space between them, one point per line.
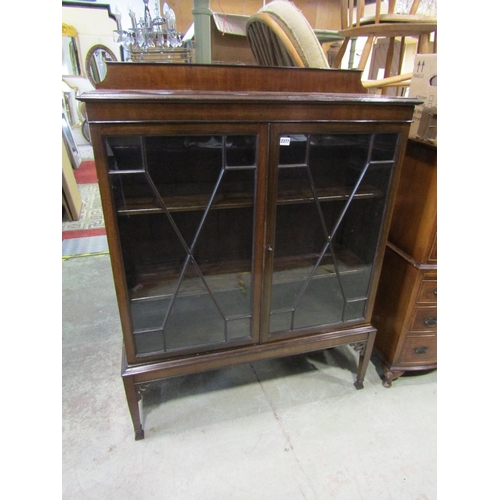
424 319
419 350
427 293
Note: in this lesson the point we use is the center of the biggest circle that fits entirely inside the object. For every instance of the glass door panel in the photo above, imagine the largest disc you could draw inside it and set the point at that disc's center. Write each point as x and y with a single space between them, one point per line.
185 216
330 200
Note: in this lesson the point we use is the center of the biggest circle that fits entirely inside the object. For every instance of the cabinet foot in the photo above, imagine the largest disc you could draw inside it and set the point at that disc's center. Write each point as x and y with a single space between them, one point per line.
389 376
359 384
139 434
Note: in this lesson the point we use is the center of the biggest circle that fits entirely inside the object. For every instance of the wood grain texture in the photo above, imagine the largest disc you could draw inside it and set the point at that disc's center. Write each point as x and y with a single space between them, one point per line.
405 312
139 102
414 223
158 76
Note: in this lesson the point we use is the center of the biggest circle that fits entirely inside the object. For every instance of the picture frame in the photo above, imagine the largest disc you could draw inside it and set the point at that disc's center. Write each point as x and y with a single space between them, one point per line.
70 143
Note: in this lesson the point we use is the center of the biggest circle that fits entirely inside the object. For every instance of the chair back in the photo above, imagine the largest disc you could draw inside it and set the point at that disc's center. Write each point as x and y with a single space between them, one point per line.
280 35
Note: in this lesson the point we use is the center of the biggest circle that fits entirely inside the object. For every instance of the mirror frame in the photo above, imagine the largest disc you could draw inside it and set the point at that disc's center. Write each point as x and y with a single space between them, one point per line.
90 54
70 32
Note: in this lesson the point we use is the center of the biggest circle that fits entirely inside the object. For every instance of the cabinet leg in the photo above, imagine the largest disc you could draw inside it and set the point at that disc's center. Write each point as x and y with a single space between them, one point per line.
364 359
133 399
390 375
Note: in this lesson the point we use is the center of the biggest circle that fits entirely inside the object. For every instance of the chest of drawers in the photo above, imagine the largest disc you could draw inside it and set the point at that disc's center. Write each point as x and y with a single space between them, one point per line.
405 312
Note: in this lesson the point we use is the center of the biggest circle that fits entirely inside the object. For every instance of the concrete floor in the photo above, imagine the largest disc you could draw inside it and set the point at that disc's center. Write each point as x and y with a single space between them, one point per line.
292 428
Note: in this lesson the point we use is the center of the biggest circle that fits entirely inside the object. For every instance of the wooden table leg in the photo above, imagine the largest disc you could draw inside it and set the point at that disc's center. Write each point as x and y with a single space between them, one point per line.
364 359
133 399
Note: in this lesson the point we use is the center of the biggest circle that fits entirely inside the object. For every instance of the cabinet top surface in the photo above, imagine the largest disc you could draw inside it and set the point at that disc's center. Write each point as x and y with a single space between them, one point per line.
136 95
202 83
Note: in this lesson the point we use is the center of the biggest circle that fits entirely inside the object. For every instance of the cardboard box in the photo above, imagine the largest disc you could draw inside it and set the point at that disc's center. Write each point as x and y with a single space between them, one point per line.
424 87
229 39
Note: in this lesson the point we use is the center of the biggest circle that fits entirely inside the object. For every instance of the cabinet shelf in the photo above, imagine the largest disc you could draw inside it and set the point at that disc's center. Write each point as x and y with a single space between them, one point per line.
231 287
158 281
176 201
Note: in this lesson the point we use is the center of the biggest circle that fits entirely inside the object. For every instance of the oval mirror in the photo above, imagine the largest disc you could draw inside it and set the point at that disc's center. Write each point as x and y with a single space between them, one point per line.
95 64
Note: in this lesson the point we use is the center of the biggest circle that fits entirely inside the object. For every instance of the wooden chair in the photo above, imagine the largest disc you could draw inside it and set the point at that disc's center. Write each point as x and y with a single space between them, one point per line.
390 25
280 35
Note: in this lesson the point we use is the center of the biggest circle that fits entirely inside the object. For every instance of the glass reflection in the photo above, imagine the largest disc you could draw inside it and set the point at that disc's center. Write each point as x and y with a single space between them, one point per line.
186 210
331 198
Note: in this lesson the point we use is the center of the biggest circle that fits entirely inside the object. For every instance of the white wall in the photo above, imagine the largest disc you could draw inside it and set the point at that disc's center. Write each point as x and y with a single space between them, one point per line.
93 26
123 6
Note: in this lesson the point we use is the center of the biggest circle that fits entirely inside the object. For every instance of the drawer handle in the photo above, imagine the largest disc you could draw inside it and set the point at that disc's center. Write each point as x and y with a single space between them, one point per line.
420 350
435 291
430 321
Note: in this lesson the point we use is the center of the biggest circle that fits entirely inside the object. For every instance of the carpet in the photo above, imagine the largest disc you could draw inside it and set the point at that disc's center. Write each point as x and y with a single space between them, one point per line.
87 235
86 173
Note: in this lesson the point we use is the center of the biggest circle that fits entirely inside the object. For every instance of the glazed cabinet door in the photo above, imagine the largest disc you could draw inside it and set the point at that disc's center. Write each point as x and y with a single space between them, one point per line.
186 203
328 194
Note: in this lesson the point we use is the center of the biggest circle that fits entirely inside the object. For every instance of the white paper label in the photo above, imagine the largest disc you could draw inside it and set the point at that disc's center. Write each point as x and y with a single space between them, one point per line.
284 141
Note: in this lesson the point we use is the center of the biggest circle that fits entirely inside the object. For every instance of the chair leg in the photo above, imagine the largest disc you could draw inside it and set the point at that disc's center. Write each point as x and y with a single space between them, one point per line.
366 52
402 51
388 62
389 57
424 44
340 54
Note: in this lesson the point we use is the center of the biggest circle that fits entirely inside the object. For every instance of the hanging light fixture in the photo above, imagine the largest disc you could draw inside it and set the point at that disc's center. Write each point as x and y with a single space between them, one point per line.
149 34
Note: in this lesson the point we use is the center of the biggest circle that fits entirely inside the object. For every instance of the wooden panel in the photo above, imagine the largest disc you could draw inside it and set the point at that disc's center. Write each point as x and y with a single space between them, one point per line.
243 110
414 222
158 76
393 304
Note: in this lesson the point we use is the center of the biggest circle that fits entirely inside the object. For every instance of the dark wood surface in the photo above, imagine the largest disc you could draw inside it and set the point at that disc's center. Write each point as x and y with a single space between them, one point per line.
155 99
199 78
414 224
405 312
159 93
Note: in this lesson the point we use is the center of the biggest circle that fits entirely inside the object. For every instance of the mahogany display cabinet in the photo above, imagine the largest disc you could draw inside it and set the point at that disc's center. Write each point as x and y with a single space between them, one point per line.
246 209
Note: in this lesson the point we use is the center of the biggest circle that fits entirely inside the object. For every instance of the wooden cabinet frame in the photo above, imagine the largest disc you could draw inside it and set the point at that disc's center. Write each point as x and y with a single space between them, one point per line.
270 103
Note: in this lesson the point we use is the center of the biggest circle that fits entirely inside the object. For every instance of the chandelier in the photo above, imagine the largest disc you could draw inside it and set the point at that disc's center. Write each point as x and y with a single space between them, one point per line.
149 34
